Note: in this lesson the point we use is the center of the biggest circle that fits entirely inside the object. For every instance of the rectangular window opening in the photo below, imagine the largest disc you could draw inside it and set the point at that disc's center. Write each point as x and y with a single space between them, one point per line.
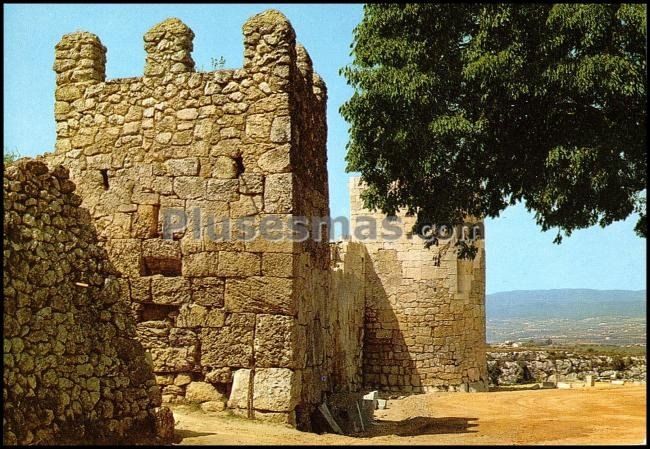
104 172
166 266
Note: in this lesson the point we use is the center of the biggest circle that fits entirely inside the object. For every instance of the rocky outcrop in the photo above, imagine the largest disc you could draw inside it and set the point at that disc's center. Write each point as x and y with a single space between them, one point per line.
73 370
519 367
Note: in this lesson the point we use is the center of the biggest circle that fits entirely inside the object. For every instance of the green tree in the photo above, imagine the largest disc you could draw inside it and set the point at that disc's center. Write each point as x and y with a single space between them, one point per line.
9 156
464 109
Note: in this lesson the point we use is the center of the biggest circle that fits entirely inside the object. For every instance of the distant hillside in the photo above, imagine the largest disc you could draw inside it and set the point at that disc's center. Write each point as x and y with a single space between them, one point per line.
565 303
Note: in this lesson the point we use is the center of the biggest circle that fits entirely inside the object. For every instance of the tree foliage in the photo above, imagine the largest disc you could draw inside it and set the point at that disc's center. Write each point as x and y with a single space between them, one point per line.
9 156
464 109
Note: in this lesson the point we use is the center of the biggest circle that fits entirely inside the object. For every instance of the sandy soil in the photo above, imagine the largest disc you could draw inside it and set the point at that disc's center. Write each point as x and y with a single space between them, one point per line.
606 414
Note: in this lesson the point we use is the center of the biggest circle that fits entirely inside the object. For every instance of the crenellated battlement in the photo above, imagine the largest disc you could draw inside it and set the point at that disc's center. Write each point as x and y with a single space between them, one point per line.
270 50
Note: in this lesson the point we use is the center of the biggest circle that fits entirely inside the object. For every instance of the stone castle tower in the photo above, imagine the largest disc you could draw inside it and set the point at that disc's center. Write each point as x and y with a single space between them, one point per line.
424 311
266 327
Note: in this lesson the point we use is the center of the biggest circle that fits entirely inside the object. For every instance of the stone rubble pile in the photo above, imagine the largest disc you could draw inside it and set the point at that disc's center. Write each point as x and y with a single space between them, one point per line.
518 367
73 369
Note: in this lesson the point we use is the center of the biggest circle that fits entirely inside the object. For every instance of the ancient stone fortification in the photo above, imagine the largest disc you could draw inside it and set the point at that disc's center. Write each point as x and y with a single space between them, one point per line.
266 328
220 145
73 369
425 311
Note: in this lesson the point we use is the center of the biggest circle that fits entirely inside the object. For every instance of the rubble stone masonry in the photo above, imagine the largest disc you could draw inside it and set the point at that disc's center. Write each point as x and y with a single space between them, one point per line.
219 146
73 369
265 327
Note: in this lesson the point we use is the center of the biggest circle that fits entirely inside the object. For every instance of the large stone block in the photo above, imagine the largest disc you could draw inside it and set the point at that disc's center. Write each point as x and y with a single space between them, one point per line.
201 264
260 294
276 389
277 160
171 360
278 193
239 390
183 167
190 187
277 264
208 291
125 254
140 289
275 341
230 345
223 189
233 263
170 290
258 126
194 315
203 392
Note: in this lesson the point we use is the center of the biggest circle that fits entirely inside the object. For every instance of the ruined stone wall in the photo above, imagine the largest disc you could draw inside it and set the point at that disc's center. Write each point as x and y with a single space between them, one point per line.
215 313
424 320
73 370
520 367
346 314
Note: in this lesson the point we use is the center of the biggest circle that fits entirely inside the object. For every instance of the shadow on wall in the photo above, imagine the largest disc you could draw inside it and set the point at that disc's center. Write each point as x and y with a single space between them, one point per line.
387 363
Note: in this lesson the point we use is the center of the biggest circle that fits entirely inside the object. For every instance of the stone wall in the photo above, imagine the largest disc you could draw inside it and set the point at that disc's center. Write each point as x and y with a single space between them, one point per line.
73 370
520 367
425 310
347 292
170 163
209 148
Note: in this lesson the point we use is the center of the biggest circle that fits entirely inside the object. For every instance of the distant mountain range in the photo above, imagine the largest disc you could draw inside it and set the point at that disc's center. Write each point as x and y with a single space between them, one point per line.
565 303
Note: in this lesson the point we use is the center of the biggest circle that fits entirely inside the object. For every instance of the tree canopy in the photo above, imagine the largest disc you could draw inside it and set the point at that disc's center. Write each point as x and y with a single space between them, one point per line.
464 109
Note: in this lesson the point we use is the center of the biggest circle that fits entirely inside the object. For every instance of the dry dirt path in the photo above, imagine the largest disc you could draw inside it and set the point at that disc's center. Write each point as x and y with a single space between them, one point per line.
606 414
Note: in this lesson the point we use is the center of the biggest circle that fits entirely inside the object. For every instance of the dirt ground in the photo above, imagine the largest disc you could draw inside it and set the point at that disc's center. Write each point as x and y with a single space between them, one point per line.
606 414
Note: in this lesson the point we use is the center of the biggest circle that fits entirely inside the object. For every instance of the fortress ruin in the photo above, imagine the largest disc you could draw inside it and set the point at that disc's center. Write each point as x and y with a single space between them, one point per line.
267 328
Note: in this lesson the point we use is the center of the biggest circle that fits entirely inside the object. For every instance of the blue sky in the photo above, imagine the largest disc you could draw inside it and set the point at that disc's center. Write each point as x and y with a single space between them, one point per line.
519 256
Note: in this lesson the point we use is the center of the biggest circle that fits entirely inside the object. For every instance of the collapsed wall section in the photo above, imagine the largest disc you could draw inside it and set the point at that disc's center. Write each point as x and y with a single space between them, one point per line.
226 317
425 308
73 369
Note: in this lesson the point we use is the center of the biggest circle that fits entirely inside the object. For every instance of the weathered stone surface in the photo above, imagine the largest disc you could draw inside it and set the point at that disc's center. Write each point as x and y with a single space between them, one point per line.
275 341
219 376
278 193
70 351
225 168
213 406
203 392
208 291
238 264
251 183
190 187
277 264
194 315
281 130
223 189
275 389
230 345
276 160
259 294
201 265
239 391
183 167
170 290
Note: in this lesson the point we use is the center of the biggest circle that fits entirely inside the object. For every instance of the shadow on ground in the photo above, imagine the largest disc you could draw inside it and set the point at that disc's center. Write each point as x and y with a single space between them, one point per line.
520 387
180 435
420 425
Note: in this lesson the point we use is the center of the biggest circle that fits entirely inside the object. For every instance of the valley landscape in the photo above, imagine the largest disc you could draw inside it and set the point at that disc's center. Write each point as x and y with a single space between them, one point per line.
568 317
